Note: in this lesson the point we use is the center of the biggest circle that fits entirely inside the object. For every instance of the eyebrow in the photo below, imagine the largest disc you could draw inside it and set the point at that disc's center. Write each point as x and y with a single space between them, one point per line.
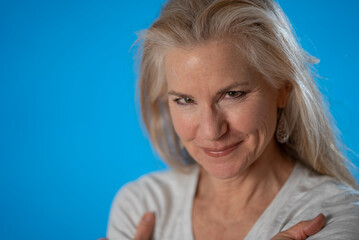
178 94
218 93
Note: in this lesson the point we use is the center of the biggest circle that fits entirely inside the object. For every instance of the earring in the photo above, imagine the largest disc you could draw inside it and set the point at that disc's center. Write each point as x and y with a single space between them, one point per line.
181 145
282 131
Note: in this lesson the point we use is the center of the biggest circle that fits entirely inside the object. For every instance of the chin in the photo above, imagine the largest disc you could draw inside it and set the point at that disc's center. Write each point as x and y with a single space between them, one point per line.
225 169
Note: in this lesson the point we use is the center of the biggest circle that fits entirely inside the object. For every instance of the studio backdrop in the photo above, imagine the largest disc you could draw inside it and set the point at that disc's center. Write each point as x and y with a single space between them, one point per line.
70 134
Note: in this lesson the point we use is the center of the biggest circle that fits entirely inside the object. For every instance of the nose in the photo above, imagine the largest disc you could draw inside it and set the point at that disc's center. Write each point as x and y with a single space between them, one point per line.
213 124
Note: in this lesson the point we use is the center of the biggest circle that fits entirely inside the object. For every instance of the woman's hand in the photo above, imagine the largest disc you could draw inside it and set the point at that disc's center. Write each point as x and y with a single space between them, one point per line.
302 230
145 227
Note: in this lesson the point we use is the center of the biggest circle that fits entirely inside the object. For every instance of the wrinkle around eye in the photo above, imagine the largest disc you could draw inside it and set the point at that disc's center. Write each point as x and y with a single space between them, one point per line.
184 101
238 95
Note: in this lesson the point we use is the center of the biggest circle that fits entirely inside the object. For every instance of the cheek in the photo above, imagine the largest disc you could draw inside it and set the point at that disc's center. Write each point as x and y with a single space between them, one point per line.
258 118
184 125
265 125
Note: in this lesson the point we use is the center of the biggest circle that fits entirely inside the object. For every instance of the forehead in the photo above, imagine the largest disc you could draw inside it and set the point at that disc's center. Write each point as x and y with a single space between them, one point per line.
215 63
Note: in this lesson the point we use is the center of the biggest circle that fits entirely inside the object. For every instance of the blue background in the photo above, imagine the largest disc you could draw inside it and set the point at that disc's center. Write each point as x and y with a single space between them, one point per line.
69 130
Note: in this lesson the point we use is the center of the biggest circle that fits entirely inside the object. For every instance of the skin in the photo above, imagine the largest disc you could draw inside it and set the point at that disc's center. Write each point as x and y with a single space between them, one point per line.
225 115
300 231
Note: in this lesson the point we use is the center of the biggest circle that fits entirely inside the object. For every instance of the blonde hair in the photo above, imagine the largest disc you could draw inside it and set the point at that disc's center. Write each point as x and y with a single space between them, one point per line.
263 34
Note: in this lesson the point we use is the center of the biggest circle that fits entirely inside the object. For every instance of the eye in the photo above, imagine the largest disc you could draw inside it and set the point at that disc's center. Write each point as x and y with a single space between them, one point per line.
234 94
184 101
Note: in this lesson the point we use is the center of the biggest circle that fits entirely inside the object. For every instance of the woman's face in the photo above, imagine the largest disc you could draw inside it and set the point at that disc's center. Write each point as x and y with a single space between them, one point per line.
223 112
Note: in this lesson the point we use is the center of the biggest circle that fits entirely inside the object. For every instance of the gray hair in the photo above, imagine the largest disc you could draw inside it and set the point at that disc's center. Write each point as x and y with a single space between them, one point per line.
263 34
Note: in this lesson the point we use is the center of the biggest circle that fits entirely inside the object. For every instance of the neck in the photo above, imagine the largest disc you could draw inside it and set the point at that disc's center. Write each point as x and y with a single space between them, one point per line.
257 184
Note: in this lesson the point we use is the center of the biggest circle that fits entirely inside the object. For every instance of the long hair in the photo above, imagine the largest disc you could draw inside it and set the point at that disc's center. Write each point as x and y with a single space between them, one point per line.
263 34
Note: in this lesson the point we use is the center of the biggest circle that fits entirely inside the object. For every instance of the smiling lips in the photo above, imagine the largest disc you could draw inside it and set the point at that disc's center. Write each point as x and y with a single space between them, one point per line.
220 152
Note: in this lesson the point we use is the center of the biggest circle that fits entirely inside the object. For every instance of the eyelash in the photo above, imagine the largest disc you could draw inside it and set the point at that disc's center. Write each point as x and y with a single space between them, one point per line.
188 101
178 101
240 94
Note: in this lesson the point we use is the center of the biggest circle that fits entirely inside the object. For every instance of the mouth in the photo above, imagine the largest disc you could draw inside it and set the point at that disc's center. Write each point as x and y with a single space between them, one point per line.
220 152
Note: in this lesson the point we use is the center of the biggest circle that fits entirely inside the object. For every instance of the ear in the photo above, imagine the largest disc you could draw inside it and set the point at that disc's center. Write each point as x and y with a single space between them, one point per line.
283 95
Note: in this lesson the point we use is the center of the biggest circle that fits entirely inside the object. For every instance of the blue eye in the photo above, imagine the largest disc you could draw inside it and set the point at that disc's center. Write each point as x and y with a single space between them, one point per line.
184 101
234 94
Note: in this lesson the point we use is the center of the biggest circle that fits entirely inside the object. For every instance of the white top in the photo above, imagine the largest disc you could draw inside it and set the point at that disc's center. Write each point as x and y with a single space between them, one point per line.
170 196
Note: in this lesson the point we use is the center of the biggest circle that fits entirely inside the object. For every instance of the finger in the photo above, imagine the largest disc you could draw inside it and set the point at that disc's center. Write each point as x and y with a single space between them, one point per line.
303 229
307 228
315 225
145 227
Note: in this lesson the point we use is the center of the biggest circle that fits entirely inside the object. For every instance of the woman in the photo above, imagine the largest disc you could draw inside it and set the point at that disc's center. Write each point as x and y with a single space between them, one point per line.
229 102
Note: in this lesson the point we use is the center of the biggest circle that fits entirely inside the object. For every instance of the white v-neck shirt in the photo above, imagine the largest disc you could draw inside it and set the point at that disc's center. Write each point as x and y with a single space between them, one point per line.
170 196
